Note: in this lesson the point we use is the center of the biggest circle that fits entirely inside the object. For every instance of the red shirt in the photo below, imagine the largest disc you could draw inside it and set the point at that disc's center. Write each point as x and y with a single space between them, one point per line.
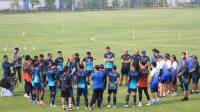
143 78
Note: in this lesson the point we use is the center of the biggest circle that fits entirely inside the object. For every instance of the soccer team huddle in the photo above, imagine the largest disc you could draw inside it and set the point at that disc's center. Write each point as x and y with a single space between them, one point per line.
160 73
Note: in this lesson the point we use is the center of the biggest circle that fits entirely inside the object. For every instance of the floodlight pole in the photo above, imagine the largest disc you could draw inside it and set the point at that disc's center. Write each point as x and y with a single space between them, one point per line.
72 5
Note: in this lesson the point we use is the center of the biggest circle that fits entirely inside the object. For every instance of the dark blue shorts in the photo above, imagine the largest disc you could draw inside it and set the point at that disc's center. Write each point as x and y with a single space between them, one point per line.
82 91
125 70
195 79
44 78
166 77
174 79
129 90
110 91
154 86
37 86
67 93
88 72
185 86
53 89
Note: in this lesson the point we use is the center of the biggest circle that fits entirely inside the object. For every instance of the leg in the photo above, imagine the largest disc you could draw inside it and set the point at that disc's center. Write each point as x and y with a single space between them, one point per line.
77 101
140 94
134 98
63 102
109 97
70 103
114 99
127 97
94 97
19 74
100 98
147 94
86 101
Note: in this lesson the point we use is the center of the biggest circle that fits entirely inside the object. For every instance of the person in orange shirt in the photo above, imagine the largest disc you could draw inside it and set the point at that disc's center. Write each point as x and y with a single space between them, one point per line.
27 77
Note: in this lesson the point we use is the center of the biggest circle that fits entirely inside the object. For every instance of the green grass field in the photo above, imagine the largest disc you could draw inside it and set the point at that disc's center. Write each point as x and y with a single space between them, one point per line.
170 30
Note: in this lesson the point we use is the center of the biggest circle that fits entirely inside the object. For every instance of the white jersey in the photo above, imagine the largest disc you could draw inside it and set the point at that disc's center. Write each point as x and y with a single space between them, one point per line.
160 65
167 65
174 66
154 73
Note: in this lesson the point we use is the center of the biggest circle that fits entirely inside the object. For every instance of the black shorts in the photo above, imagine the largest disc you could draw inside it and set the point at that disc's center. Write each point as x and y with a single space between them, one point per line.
125 70
195 79
110 91
81 91
67 93
129 90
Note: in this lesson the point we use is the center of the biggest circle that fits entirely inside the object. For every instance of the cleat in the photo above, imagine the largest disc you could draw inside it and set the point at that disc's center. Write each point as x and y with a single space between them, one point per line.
140 104
126 106
108 106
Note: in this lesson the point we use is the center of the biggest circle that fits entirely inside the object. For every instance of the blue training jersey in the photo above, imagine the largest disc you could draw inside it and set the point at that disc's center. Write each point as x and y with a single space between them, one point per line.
81 79
144 59
126 57
98 80
51 74
36 73
43 67
88 63
59 61
109 64
133 76
113 76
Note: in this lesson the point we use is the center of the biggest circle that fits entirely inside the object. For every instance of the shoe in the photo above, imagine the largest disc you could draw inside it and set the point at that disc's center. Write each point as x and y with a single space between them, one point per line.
99 108
70 109
77 108
183 99
134 105
42 103
108 106
140 104
64 109
186 99
86 108
114 106
149 103
175 94
26 96
52 106
34 102
126 106
91 109
157 102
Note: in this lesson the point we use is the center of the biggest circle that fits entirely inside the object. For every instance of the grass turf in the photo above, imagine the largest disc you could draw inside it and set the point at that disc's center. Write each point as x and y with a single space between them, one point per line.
170 30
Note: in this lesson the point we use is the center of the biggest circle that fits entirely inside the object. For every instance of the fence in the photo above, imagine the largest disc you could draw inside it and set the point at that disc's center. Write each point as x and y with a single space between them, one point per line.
74 5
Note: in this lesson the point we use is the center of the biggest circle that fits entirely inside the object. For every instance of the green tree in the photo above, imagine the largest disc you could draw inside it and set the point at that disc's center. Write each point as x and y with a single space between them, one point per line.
34 2
50 4
14 5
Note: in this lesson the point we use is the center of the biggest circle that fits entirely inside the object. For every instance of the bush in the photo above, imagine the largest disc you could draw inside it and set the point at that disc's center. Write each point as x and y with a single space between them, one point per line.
50 4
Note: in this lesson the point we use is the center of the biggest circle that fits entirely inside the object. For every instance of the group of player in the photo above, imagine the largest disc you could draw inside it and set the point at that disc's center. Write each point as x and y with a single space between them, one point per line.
165 71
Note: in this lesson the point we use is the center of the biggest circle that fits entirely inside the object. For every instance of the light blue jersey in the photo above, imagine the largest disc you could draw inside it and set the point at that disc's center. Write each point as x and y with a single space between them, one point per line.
133 76
109 64
52 76
88 63
81 79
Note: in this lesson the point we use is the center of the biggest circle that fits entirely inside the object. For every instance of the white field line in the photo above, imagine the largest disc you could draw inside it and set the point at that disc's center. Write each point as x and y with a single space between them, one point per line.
95 39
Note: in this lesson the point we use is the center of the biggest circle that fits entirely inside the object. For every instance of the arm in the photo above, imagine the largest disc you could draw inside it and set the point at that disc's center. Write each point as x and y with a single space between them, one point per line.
117 80
127 82
126 62
108 81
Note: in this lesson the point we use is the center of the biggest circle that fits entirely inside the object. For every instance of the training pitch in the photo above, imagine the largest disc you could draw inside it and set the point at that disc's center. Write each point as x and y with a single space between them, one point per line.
169 30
